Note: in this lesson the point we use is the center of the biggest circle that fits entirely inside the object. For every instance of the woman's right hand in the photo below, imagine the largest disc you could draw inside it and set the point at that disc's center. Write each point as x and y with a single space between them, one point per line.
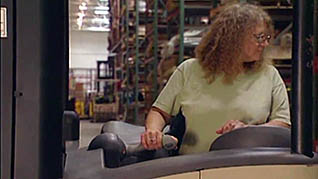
230 125
151 139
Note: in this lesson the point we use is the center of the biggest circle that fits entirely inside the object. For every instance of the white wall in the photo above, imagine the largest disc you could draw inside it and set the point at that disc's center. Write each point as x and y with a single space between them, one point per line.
87 47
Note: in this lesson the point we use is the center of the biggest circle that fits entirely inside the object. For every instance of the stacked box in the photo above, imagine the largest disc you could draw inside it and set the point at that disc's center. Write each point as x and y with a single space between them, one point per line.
105 112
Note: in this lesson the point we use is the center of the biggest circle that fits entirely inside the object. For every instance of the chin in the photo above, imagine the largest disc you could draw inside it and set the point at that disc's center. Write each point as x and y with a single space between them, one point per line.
252 60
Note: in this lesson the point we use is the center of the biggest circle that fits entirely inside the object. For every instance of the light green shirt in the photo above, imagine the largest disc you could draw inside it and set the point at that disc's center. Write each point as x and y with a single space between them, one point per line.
254 98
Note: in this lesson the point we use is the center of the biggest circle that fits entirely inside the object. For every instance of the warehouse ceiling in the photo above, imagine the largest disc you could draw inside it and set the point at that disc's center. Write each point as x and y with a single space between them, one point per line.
89 15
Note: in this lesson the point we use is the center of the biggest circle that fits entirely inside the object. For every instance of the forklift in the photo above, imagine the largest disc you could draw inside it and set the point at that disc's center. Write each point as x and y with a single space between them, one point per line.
34 77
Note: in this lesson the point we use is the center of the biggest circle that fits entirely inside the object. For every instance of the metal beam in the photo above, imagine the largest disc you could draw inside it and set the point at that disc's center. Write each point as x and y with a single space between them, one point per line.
302 83
126 58
315 74
136 63
181 30
155 63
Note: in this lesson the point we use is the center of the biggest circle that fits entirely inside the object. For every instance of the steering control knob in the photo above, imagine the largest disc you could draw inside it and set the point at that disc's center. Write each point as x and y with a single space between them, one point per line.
168 143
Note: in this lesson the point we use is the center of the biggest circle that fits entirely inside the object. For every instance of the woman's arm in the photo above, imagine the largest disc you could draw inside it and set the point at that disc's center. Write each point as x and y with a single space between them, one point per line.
280 110
157 117
152 137
277 123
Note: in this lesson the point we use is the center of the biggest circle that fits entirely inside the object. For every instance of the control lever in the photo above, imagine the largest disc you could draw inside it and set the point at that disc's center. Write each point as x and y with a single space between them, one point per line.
168 143
115 150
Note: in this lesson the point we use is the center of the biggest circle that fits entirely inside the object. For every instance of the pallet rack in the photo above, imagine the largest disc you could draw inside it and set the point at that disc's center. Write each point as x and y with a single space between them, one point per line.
136 40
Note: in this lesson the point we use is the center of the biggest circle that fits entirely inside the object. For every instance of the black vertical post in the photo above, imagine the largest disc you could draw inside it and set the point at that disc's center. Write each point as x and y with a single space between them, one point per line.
302 79
40 88
215 3
315 74
66 76
7 87
66 49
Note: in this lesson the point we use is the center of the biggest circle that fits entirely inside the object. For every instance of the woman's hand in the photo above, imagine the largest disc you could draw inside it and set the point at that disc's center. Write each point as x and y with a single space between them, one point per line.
230 125
151 139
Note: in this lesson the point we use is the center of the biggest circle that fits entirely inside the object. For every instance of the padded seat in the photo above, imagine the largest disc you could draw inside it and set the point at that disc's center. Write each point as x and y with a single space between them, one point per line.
129 133
253 136
71 126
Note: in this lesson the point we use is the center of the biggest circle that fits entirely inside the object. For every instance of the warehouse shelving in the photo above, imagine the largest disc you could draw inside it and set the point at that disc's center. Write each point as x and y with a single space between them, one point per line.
280 48
160 20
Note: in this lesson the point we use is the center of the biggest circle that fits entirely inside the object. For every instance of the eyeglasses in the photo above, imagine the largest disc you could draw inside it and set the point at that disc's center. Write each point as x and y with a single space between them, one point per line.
261 38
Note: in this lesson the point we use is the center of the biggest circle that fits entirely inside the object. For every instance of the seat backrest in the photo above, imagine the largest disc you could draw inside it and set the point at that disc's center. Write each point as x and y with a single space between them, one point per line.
253 136
129 133
71 126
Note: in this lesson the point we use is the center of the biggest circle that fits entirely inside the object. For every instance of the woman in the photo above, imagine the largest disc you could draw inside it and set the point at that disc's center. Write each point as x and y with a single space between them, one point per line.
227 86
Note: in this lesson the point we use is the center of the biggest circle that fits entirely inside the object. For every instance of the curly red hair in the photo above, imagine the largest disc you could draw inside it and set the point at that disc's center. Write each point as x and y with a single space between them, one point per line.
220 49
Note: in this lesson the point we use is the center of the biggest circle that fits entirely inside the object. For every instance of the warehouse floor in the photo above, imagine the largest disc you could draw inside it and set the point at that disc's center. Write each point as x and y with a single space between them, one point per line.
88 130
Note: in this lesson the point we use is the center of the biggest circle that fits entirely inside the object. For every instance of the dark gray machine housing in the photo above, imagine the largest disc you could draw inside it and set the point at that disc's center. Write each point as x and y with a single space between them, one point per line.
34 61
250 146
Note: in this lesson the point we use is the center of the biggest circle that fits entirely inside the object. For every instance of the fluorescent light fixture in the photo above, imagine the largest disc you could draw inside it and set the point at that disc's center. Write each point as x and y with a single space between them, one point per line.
105 8
82 8
99 20
99 12
98 29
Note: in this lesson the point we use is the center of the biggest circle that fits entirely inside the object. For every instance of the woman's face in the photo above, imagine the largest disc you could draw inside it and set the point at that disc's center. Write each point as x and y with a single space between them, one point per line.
254 43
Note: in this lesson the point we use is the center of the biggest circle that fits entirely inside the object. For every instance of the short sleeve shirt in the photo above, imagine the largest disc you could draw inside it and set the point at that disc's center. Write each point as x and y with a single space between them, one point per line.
253 97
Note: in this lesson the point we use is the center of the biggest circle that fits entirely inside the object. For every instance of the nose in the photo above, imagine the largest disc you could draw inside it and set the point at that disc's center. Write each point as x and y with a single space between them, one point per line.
265 43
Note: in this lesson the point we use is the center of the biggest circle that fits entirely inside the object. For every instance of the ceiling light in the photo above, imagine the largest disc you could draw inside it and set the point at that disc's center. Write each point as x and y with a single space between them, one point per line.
99 12
105 8
82 8
100 29
98 20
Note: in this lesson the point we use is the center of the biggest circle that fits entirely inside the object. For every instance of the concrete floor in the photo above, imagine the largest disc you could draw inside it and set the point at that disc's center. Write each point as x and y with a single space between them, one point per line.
88 130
